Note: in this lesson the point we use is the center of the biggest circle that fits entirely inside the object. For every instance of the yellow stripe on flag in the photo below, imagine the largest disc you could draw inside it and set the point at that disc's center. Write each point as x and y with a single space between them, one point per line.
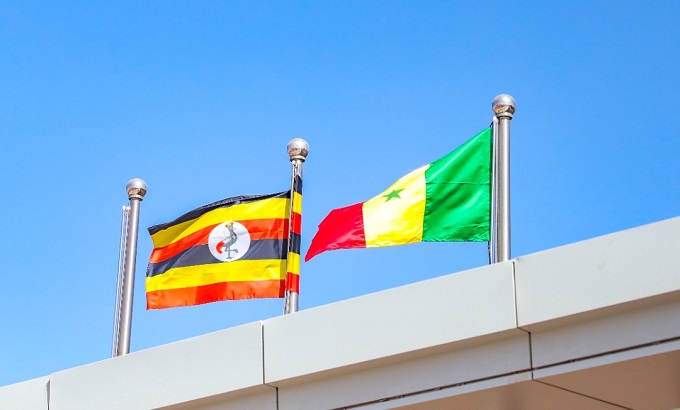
293 263
263 209
395 217
297 203
199 275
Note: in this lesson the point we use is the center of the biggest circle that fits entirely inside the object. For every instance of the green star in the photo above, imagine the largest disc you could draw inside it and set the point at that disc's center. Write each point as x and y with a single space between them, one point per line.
393 194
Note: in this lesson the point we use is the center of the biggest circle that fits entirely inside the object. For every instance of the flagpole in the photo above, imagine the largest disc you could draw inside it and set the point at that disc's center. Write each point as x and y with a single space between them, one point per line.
297 152
136 189
119 280
494 193
503 107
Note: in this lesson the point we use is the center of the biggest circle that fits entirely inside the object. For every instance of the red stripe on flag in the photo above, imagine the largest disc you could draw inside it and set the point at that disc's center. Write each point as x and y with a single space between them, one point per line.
342 228
161 299
258 229
293 282
296 222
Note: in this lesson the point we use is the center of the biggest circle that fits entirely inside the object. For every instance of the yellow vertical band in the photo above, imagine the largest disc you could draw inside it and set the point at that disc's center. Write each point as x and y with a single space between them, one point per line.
293 265
395 217
297 203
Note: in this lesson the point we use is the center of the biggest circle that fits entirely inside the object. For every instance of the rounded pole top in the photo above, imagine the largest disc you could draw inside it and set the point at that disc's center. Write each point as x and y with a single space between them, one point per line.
503 106
297 149
136 188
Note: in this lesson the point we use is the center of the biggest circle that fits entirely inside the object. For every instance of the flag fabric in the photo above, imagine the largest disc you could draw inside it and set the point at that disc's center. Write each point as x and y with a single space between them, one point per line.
445 201
230 249
294 238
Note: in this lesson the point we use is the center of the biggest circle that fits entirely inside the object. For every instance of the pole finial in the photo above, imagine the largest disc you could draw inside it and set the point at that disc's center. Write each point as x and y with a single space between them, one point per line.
503 106
298 149
136 188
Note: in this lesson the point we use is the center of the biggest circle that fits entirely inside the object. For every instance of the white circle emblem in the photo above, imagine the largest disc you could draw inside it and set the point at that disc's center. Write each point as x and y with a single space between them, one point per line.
229 241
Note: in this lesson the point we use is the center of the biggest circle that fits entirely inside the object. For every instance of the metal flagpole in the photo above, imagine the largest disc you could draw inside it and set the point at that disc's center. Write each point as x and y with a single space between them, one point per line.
503 107
494 193
136 189
297 151
119 279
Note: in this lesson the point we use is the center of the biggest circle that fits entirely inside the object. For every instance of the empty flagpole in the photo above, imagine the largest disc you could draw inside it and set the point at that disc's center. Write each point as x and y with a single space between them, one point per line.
494 194
136 189
119 280
503 107
297 151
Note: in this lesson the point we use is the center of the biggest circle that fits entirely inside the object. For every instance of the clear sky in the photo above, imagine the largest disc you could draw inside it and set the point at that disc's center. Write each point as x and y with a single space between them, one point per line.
200 98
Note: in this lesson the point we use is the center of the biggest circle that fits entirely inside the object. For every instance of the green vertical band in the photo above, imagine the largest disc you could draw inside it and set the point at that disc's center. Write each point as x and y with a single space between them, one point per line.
458 193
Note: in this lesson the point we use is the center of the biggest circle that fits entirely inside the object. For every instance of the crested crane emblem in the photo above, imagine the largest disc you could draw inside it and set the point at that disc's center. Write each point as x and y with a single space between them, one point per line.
229 241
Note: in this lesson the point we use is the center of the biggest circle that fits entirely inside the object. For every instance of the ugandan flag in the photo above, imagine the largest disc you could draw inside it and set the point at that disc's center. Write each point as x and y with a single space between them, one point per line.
230 249
445 201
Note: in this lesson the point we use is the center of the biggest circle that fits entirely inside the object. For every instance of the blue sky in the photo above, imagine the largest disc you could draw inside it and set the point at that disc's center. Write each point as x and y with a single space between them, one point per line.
200 98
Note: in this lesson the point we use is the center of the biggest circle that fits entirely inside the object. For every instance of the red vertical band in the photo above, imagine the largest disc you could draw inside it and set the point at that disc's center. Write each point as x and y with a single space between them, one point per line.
342 228
296 222
293 282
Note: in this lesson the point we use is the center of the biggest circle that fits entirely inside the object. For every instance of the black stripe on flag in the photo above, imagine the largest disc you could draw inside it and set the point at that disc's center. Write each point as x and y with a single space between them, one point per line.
200 255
